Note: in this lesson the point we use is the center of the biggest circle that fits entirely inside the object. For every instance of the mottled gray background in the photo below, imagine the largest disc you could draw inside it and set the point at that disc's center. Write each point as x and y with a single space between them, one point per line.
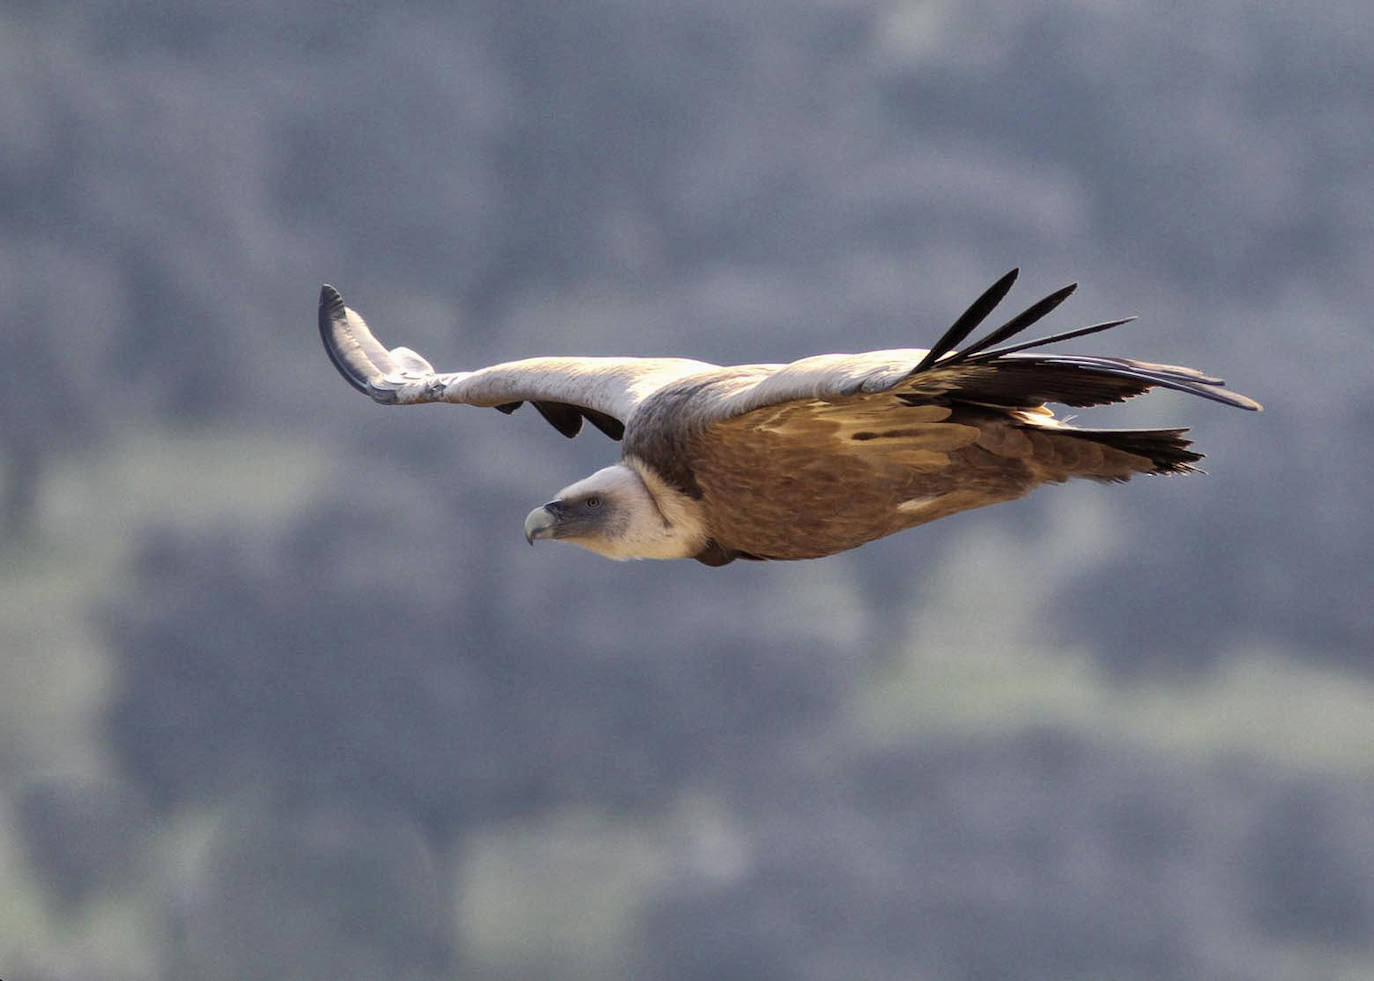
284 695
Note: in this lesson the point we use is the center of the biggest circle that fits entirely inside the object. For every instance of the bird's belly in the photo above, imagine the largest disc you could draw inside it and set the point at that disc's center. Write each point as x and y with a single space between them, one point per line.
794 490
819 507
804 517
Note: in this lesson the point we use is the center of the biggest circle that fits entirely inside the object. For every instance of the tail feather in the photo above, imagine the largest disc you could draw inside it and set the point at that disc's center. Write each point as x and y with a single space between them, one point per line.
1166 449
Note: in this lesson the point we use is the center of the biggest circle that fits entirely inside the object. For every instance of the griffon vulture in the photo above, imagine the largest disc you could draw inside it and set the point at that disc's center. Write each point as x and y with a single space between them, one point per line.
802 460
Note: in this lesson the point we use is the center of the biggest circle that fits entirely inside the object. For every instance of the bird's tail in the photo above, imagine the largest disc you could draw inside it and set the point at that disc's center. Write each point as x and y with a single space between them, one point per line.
1166 450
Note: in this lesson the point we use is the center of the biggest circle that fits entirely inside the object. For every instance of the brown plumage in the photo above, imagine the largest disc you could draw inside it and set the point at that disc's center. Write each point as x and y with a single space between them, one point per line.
808 459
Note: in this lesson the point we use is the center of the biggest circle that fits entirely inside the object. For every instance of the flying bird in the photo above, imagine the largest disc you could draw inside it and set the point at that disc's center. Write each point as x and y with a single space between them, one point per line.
803 460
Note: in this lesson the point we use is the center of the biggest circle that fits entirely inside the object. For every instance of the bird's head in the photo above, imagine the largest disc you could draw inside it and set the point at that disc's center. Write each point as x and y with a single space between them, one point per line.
613 514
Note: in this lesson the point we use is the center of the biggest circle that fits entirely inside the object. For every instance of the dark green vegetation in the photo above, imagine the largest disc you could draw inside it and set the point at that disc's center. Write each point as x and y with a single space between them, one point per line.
284 694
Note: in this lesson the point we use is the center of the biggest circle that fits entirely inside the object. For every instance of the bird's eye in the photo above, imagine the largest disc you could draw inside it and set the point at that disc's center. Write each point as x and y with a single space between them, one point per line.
592 503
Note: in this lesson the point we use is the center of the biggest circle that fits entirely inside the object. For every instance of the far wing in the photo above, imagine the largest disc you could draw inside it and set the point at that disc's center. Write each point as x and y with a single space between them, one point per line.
980 373
604 391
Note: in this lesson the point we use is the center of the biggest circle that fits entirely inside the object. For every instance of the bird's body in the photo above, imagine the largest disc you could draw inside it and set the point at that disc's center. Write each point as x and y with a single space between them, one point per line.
807 459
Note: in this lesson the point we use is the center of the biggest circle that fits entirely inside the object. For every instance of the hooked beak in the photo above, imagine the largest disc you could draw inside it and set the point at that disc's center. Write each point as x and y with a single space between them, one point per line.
543 521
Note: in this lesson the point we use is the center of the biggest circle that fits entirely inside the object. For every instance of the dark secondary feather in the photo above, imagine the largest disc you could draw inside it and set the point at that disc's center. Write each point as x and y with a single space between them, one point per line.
567 419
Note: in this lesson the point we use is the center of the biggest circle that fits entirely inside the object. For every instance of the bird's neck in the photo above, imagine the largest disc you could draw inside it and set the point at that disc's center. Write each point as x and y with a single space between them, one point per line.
673 527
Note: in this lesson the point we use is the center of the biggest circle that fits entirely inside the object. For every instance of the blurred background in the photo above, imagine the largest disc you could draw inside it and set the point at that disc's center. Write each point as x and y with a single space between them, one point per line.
283 694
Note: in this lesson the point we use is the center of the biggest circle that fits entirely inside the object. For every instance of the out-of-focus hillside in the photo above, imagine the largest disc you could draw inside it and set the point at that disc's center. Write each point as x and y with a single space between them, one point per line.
282 693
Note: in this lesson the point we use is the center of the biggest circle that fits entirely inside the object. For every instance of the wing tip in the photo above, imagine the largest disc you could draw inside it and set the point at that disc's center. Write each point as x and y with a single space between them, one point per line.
979 352
333 321
1193 382
1241 401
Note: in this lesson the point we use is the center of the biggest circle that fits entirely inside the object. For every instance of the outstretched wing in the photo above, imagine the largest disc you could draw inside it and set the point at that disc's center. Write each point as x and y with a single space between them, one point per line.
979 373
604 391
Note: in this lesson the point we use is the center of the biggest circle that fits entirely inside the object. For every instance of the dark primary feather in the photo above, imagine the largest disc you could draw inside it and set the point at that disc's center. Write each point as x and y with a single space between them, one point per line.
984 373
1072 381
1019 322
1051 339
968 321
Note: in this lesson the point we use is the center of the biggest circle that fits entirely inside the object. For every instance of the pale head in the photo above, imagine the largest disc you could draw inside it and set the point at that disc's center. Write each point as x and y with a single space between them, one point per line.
614 513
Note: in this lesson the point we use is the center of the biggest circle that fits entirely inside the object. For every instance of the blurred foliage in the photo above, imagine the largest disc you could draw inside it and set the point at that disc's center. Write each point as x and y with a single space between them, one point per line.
84 836
369 686
283 694
1039 857
317 892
